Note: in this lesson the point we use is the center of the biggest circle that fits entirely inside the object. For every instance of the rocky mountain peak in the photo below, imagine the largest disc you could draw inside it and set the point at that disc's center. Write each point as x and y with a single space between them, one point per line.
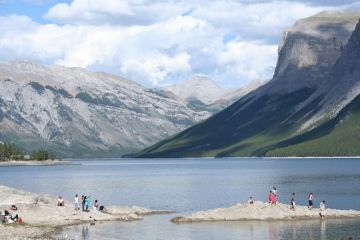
76 112
311 47
200 88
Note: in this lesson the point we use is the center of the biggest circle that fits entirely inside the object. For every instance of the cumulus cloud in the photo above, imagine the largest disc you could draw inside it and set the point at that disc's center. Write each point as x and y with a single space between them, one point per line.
157 42
254 21
248 60
89 11
115 12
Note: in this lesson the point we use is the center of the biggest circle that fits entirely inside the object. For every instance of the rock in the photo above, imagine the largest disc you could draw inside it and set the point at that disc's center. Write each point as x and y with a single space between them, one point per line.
262 212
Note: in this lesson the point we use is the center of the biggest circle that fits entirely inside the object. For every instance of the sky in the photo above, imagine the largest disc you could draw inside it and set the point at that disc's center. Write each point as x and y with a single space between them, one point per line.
156 42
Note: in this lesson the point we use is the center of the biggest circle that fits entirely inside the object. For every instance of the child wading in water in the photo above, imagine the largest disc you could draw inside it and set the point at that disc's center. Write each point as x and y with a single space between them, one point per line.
311 197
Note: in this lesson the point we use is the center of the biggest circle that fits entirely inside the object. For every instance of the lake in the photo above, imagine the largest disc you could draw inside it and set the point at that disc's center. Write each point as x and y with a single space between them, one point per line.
187 185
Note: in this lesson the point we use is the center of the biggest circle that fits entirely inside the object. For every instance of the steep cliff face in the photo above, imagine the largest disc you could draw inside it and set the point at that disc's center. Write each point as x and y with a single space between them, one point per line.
75 112
310 48
340 104
316 73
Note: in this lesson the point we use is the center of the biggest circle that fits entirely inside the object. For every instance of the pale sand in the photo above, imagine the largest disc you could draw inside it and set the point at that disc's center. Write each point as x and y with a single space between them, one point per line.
42 216
34 163
263 211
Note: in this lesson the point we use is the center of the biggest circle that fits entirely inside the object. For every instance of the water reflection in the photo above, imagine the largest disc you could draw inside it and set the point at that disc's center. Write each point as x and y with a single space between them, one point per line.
159 228
85 234
323 230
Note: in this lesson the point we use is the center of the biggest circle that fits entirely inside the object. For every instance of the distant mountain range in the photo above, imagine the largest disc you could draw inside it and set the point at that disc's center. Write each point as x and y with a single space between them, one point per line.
75 112
78 113
311 107
203 93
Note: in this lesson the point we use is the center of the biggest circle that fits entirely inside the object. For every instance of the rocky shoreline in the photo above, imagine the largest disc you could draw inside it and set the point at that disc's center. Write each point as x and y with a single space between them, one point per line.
260 211
14 163
42 217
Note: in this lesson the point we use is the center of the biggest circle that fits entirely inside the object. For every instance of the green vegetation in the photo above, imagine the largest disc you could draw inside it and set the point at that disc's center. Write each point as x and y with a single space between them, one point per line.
257 130
337 137
9 151
247 128
41 155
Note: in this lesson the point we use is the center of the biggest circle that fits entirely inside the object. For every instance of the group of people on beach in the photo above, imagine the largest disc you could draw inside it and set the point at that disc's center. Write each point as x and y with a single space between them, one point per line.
85 203
272 199
310 203
10 216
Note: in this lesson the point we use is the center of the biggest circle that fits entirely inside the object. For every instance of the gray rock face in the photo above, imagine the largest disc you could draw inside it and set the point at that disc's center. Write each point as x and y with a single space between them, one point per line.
75 112
308 53
343 83
310 49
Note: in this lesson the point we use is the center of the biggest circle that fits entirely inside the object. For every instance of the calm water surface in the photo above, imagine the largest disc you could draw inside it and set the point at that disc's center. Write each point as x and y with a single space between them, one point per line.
187 185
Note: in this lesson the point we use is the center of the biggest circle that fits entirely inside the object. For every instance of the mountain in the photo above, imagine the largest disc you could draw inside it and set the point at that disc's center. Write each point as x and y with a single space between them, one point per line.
204 94
311 106
78 113
233 95
198 88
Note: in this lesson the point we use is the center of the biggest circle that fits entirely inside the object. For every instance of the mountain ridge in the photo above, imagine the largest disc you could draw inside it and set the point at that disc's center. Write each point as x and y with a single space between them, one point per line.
75 112
293 103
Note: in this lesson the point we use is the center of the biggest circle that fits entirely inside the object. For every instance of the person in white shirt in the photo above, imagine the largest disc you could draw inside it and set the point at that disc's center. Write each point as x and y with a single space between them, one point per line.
77 207
322 209
311 198
96 205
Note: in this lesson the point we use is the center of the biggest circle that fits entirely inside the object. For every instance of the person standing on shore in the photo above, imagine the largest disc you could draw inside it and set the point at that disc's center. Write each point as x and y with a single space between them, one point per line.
83 202
61 202
270 197
96 205
273 195
311 198
274 191
292 202
322 209
87 203
77 202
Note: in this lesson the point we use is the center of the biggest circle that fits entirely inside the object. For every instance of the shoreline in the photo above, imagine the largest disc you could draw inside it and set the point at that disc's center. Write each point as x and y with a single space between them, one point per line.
42 218
15 163
207 158
260 211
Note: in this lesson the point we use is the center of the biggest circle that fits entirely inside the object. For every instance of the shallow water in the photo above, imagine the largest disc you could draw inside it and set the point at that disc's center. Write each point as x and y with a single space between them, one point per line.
159 227
187 185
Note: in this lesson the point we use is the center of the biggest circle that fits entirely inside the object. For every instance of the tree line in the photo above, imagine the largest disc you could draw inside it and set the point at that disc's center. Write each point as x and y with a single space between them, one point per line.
9 151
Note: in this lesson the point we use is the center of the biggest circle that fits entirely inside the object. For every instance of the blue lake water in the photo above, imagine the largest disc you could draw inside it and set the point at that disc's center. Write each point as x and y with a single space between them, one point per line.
187 185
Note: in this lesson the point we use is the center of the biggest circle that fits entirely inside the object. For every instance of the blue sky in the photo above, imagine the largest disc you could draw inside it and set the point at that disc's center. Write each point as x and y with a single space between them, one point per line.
32 8
157 42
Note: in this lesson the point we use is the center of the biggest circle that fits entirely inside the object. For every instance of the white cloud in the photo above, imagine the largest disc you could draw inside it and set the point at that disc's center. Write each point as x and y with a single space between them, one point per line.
114 12
157 42
158 67
89 10
248 60
266 19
